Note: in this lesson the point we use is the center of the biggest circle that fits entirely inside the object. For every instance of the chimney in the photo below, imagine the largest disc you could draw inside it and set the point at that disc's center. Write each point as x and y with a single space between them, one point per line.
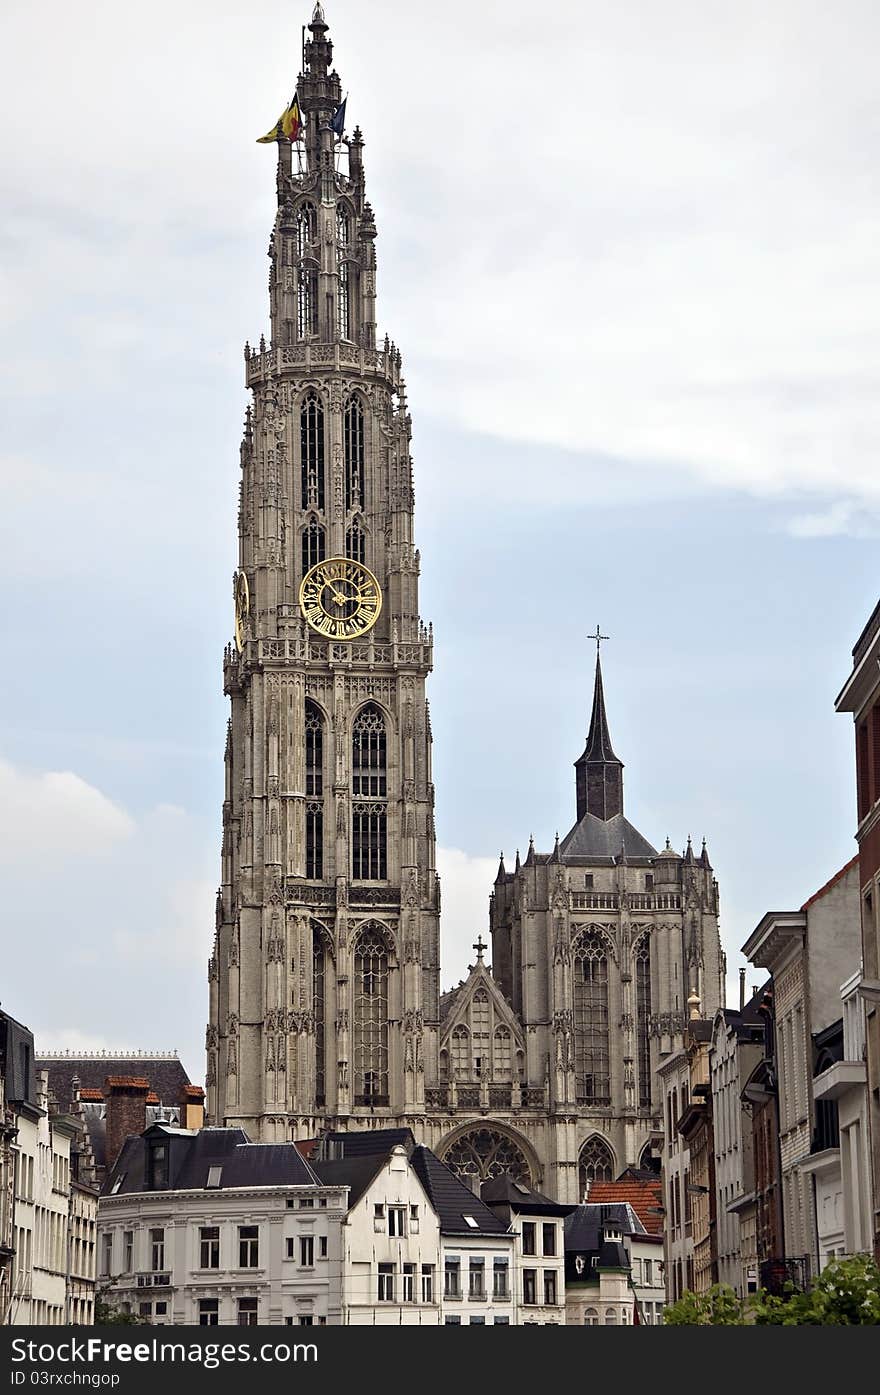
192 1107
742 989
126 1101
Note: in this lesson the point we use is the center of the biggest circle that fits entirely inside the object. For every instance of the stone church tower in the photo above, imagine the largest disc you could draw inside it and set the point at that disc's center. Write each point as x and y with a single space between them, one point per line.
325 1005
325 975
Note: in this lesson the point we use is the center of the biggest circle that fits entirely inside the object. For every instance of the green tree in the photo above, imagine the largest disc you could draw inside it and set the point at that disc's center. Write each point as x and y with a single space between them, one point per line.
846 1294
720 1307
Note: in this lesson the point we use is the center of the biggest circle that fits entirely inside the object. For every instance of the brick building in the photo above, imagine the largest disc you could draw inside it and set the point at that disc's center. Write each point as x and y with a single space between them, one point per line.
861 697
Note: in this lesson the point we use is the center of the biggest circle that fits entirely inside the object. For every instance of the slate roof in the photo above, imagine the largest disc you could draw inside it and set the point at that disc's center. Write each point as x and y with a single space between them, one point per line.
449 999
451 1199
604 838
640 1194
359 1143
583 1227
354 1173
165 1074
191 1154
506 1195
598 747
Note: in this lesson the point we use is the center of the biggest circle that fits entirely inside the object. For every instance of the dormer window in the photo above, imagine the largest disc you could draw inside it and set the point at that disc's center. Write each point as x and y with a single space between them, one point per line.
214 1175
157 1170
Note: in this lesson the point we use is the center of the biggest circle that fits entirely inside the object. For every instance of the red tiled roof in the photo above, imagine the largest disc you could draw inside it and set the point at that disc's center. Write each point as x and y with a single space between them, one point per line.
133 1082
194 1092
152 1097
642 1195
829 884
92 1095
306 1146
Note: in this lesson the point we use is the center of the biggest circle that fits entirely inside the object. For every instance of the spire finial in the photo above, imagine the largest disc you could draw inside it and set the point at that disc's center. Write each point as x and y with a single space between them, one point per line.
598 638
599 773
479 946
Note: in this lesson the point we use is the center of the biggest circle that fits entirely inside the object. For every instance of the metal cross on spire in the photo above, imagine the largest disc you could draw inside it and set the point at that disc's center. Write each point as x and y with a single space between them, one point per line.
479 946
598 638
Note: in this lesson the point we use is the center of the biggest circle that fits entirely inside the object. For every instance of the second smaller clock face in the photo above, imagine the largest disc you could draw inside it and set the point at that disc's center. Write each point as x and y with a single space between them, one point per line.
340 598
242 608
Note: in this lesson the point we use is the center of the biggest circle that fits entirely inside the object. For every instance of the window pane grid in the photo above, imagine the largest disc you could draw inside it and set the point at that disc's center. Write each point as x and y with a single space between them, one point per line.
591 1020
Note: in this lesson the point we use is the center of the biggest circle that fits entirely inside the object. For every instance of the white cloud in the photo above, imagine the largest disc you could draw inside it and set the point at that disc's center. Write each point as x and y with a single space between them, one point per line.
52 817
651 235
125 939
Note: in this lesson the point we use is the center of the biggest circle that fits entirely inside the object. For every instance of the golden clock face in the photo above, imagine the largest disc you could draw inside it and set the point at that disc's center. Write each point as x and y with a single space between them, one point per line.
242 608
340 598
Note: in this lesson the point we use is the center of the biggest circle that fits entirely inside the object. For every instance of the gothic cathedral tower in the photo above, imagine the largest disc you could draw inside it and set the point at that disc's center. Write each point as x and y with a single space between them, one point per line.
324 980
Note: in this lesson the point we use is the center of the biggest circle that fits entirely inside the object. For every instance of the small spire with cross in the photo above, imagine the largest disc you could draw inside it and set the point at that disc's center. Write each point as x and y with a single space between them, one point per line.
598 638
479 946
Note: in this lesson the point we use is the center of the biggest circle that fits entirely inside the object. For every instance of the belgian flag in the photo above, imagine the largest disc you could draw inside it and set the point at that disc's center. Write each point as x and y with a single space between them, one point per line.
288 126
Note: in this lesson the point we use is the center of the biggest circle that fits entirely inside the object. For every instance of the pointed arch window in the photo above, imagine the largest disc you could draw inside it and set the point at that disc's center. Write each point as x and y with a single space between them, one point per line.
343 225
501 1059
481 1024
307 301
460 1055
314 545
356 542
306 227
482 1153
371 968
595 1164
642 966
319 953
353 453
591 1019
344 300
369 787
314 792
311 439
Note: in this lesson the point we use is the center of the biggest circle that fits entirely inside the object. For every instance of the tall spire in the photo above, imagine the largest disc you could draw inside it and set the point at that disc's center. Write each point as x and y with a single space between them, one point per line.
598 772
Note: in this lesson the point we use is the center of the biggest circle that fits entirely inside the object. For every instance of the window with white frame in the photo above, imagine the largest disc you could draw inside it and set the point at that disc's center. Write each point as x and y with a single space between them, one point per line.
385 1292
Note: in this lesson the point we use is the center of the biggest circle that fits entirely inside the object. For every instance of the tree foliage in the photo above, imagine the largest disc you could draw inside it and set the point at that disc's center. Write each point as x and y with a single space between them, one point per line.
846 1294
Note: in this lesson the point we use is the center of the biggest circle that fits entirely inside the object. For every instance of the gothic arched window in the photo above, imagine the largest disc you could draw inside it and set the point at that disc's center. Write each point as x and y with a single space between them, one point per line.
343 225
313 545
595 1164
306 228
369 787
318 1010
353 453
642 964
501 1054
307 300
480 1028
371 1017
459 1047
484 1153
355 542
314 792
344 300
311 442
591 1019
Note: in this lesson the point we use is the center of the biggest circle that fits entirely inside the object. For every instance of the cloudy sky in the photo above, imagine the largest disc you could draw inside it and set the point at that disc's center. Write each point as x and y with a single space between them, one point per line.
631 255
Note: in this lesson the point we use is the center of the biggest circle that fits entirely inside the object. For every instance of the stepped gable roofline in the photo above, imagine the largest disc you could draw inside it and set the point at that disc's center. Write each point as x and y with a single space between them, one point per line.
603 840
451 1199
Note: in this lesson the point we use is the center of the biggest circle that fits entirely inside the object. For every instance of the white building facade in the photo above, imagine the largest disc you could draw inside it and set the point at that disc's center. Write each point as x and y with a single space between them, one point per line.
219 1231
